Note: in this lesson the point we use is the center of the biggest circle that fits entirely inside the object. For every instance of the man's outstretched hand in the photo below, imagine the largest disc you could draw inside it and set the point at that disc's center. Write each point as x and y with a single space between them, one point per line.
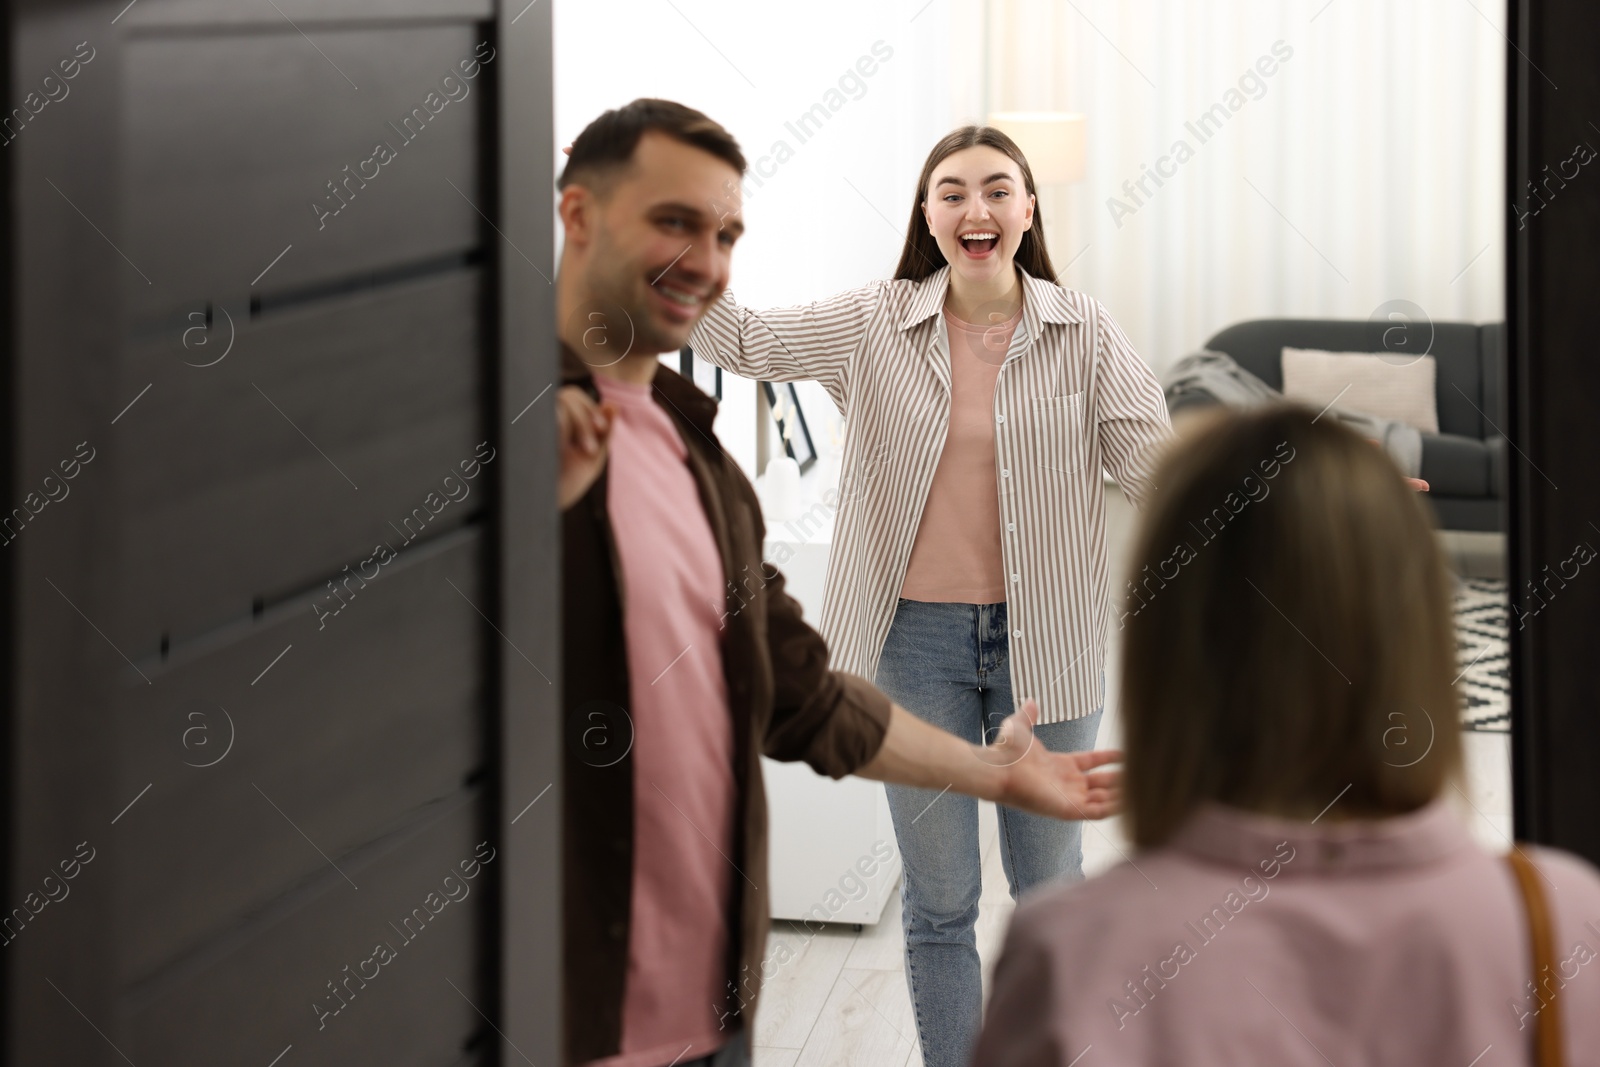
1064 785
1015 769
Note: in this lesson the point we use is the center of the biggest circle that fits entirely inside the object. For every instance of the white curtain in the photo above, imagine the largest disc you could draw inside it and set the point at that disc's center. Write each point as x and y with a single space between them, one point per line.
1368 167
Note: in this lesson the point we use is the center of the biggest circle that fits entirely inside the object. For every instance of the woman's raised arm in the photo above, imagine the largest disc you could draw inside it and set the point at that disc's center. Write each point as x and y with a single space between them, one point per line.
815 342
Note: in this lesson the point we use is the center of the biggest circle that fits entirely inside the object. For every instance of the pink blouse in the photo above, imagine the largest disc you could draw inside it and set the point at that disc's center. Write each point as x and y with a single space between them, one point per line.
1253 940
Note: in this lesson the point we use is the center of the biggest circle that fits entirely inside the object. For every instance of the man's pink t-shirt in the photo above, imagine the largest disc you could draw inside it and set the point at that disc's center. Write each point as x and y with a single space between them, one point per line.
683 785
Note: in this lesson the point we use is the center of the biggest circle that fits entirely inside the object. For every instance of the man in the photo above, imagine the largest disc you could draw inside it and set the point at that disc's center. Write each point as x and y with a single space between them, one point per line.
685 660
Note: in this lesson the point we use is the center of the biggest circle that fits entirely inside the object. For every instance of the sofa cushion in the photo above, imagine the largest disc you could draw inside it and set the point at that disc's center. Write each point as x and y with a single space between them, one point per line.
1361 381
1453 465
1465 376
1497 463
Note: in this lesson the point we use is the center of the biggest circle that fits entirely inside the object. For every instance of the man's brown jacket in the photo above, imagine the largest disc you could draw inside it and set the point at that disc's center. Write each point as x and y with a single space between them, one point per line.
784 700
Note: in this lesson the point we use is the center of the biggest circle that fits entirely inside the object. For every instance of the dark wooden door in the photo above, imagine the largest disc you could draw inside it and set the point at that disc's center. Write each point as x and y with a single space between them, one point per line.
1552 233
278 543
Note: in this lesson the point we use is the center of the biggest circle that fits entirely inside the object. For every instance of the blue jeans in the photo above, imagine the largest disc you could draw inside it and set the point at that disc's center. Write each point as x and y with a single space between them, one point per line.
949 665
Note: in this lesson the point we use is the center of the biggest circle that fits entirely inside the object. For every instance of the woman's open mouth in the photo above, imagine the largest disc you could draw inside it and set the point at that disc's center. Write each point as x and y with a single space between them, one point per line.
979 243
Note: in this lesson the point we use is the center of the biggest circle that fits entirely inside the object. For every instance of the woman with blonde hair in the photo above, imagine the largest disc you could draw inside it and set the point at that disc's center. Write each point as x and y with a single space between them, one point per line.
1303 891
968 571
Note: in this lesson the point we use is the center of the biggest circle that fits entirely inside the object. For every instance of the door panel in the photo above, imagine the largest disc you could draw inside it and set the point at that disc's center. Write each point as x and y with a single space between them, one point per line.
267 989
259 765
273 642
237 145
323 432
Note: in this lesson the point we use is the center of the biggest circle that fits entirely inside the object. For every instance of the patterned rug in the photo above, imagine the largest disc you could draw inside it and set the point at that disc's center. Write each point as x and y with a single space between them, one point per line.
1482 633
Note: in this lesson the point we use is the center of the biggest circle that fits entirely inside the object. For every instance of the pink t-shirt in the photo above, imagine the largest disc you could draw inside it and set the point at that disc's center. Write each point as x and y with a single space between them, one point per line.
956 555
683 784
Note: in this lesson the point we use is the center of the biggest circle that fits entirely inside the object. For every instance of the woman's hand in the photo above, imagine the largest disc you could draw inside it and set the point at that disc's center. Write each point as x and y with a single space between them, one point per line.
1416 483
1063 785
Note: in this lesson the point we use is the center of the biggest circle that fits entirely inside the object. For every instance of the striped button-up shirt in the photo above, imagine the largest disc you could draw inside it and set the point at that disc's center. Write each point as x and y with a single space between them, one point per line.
1072 398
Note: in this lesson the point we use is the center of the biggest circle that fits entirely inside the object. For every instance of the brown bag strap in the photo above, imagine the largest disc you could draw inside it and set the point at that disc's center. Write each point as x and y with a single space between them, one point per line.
1547 1032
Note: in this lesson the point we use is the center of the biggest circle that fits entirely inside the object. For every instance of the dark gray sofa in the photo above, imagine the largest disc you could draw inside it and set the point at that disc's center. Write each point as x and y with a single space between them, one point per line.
1464 464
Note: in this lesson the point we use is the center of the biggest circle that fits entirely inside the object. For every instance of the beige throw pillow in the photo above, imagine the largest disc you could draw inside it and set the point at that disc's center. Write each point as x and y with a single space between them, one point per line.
1388 386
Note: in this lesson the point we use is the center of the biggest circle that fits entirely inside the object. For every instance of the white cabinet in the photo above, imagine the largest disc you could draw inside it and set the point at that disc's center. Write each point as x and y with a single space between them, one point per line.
833 854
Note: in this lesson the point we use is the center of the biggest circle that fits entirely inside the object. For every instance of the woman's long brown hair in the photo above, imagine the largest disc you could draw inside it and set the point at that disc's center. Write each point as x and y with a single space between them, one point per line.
921 256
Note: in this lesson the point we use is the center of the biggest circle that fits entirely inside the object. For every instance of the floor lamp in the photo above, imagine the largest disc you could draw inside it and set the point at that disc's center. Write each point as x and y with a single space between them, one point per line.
1053 142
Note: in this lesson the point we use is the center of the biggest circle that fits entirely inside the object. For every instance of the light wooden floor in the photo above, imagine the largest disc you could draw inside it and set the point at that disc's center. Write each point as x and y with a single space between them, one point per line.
843 998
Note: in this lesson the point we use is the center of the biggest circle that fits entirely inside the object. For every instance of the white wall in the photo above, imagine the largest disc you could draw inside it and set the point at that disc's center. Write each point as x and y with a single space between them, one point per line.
1367 168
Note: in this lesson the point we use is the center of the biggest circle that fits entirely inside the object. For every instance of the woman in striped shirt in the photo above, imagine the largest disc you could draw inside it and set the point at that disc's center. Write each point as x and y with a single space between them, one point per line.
968 568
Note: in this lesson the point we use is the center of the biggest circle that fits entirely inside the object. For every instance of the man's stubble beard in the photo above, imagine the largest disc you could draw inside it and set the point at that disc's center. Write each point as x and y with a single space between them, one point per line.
614 282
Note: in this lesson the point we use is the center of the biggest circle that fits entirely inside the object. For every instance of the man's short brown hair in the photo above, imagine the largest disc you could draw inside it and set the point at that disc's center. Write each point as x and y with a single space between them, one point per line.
603 152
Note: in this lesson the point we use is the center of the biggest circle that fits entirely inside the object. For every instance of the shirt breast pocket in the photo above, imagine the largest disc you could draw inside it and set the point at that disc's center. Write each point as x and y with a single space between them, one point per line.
1058 432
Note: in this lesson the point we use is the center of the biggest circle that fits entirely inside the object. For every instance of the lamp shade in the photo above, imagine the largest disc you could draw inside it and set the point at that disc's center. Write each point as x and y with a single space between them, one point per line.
1053 142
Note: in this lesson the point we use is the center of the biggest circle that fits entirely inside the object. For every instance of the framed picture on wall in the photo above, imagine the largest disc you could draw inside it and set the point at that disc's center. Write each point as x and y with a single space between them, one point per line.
791 420
708 376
